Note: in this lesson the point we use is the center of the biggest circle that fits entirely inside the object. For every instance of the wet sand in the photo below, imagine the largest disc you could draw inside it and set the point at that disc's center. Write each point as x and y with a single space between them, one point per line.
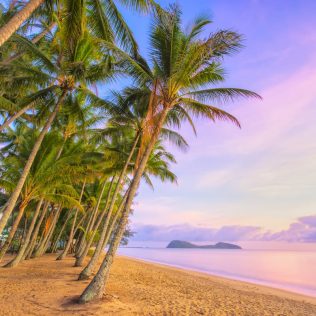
44 286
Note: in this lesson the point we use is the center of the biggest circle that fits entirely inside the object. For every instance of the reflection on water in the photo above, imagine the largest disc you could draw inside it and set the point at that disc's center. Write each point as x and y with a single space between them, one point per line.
290 270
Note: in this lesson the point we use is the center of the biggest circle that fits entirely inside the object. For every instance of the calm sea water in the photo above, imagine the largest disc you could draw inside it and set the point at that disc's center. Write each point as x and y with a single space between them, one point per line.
293 270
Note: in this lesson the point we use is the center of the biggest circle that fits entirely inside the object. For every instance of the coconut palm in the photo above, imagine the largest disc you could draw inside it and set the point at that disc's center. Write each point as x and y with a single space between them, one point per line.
103 12
43 181
121 167
179 80
74 65
157 166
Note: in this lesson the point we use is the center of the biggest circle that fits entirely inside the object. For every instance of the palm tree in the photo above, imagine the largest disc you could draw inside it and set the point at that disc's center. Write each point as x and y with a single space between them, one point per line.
74 69
18 19
25 242
109 207
74 221
100 10
43 182
179 81
79 164
158 166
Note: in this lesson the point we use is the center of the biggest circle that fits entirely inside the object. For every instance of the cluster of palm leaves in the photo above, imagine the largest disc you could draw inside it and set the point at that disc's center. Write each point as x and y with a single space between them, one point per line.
71 160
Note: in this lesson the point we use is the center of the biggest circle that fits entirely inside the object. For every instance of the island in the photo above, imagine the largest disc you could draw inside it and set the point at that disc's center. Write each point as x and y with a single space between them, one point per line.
186 244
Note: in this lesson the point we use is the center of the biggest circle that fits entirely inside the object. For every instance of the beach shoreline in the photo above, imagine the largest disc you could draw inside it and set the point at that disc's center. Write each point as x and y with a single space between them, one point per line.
223 278
45 286
282 290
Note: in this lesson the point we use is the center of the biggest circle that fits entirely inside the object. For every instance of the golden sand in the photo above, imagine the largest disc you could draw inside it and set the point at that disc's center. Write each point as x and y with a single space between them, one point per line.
47 287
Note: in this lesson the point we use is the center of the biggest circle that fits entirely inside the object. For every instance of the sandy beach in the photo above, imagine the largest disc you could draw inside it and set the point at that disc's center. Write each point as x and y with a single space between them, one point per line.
47 287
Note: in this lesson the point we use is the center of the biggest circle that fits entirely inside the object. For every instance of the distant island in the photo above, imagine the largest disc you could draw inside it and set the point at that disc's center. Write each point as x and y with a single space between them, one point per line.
186 244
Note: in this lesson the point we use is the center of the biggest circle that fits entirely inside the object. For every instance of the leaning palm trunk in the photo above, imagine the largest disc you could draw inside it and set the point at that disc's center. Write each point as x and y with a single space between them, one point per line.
79 223
80 244
81 220
72 231
51 231
15 116
119 184
36 39
96 287
70 238
13 230
86 246
83 244
46 238
55 245
85 249
94 214
104 238
30 248
14 196
18 19
27 238
80 258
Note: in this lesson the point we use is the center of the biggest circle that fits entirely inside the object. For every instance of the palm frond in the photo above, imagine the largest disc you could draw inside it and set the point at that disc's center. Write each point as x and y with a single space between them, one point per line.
222 95
208 111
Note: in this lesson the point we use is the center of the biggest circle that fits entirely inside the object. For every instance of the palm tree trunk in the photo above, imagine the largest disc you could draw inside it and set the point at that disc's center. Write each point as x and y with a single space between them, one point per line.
96 287
81 238
72 231
13 230
79 223
29 250
120 181
92 219
96 209
83 243
104 238
18 19
27 238
14 196
44 243
85 249
15 116
82 254
51 231
71 235
36 39
54 247
23 232
81 220
80 245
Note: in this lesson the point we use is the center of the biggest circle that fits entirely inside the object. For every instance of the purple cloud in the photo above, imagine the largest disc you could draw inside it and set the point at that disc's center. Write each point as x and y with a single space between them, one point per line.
303 230
308 220
165 233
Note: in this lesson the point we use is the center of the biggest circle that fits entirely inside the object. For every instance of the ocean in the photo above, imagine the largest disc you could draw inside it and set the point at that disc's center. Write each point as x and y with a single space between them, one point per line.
284 266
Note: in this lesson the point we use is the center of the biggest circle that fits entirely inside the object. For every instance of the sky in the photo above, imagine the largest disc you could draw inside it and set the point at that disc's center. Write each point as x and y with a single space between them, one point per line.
257 182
